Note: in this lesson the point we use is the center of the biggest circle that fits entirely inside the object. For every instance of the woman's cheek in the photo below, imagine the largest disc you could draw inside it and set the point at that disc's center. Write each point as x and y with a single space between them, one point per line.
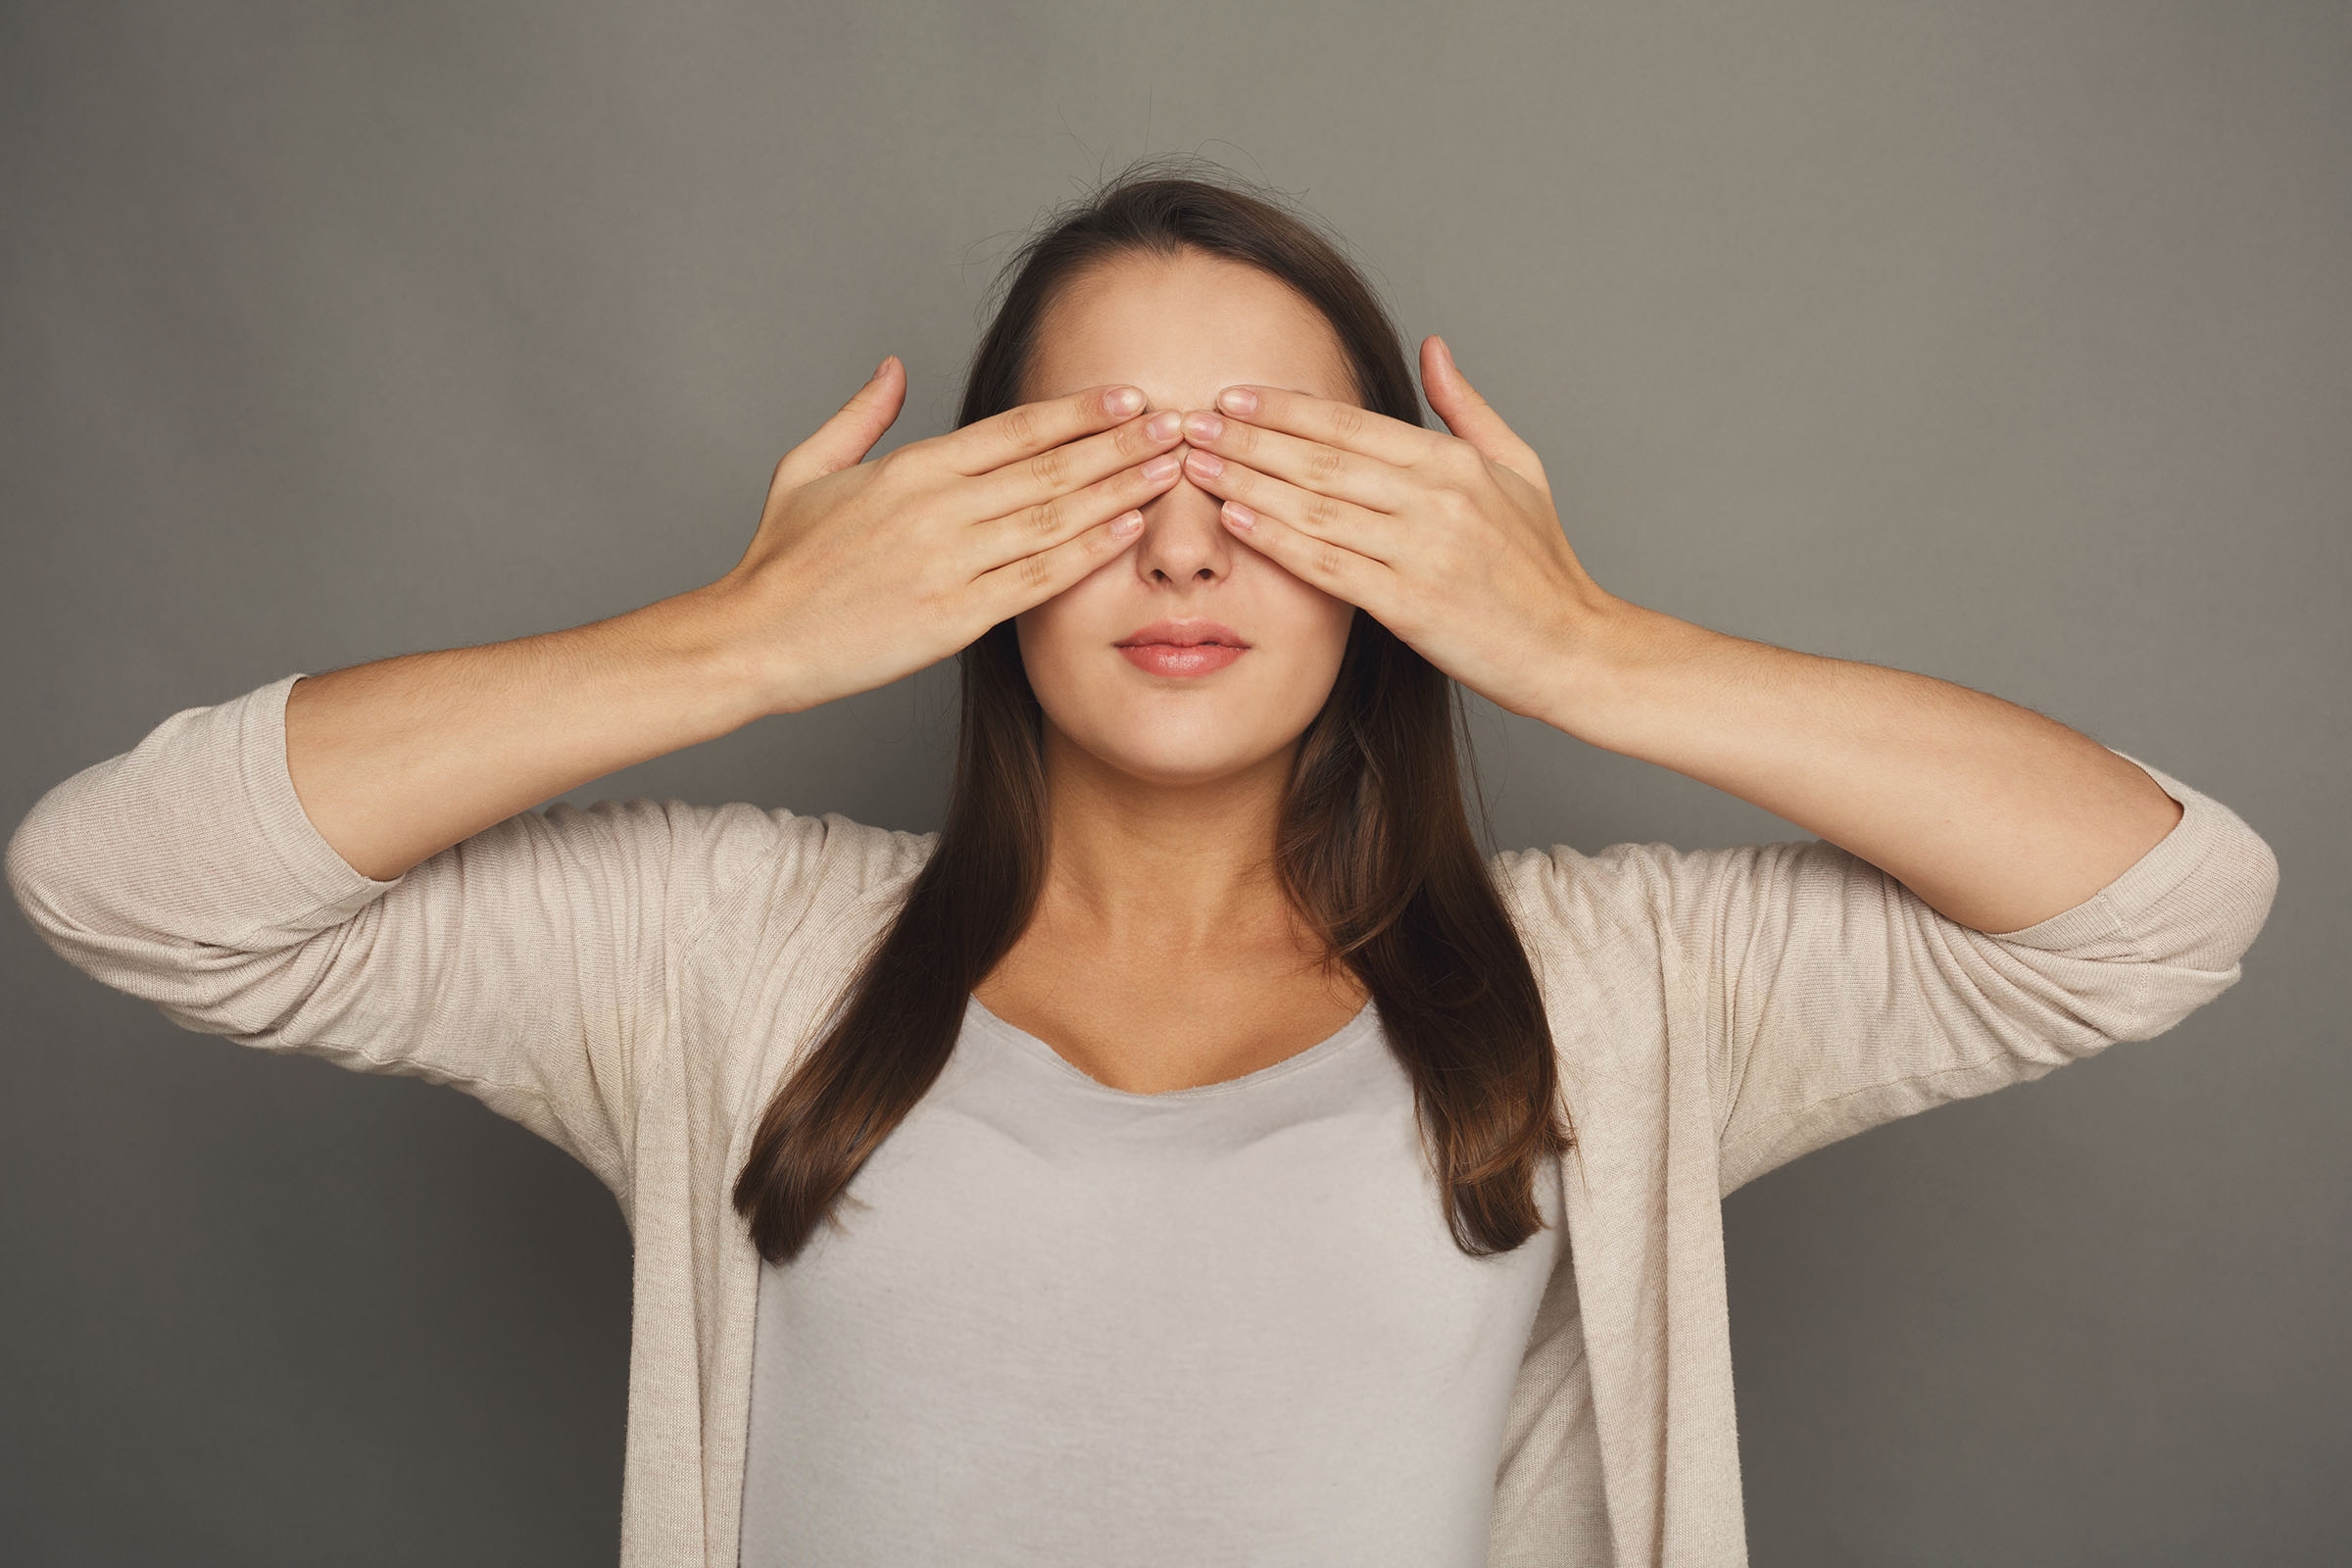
1072 670
1305 686
1317 616
1045 633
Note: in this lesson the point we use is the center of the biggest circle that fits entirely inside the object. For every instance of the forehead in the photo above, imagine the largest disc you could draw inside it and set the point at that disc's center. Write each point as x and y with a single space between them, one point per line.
1183 328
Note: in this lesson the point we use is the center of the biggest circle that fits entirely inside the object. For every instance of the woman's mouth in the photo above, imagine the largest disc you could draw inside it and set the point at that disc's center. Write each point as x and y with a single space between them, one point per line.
1180 658
1181 647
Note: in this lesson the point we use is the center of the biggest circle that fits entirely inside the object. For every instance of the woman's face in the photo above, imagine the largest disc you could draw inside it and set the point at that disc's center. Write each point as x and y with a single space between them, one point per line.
1182 328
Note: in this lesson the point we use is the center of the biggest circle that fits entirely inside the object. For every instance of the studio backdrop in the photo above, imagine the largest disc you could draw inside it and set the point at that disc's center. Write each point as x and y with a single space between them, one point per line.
2007 342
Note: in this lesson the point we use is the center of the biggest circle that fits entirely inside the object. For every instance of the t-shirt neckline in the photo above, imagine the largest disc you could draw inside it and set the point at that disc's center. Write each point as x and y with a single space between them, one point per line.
1363 1023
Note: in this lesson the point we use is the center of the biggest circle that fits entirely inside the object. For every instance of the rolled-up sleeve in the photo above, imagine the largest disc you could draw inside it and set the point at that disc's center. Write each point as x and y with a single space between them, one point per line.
1832 998
1837 999
526 966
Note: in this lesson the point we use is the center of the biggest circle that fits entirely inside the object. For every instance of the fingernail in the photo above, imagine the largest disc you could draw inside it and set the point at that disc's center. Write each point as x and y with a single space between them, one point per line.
1126 525
1206 426
1238 399
1163 424
1205 464
879 369
1239 515
1161 466
1124 401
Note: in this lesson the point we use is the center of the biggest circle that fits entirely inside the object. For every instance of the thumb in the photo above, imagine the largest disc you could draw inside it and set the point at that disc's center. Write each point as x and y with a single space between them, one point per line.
1471 417
843 440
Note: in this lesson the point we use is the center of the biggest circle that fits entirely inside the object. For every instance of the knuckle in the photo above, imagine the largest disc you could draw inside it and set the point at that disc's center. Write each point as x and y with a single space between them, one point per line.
1347 421
1324 465
1020 424
1320 512
897 468
1046 516
1034 571
1051 467
1324 559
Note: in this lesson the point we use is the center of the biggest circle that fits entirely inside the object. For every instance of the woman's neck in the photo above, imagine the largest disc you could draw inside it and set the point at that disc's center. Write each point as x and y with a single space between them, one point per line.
1182 867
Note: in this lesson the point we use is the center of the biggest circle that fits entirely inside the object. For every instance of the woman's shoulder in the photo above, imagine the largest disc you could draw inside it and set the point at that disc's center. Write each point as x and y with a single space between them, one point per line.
1642 866
1613 873
833 841
1581 901
1586 901
738 839
714 856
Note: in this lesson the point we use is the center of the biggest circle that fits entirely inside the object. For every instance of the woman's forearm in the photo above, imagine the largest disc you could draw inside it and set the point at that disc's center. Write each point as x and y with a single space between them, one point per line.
860 573
396 759
1995 815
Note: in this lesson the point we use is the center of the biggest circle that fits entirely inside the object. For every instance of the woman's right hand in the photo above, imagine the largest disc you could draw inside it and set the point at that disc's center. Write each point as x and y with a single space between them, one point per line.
864 572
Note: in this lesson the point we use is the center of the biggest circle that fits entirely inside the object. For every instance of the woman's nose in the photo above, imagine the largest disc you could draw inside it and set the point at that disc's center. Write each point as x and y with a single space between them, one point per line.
1182 538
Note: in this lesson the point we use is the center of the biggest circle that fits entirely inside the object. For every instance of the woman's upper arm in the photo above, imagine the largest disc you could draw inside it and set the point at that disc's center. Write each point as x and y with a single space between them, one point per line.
527 964
1832 998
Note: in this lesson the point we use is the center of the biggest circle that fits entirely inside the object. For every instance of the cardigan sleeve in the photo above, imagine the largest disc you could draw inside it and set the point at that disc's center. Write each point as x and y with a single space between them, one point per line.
1832 998
1837 999
527 965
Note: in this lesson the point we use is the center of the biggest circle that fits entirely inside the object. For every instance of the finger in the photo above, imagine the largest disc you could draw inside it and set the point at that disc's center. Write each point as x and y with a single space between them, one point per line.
1062 469
1311 465
1025 431
1336 425
1032 579
1379 535
1471 417
1318 562
843 440
1048 522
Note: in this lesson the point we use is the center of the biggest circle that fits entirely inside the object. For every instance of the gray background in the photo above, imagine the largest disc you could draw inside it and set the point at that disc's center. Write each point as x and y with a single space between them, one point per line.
2002 342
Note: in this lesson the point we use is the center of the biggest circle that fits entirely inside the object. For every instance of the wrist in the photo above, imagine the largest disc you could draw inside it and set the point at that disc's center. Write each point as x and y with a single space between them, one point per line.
1613 656
717 667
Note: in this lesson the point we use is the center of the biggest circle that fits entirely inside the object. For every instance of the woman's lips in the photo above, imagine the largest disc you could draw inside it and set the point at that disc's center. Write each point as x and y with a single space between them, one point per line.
1189 645
1177 658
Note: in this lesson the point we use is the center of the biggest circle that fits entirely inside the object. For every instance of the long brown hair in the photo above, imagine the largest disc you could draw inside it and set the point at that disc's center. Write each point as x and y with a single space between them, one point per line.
1373 846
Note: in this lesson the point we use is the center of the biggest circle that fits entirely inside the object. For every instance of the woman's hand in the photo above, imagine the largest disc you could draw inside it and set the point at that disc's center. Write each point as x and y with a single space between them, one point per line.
1995 816
862 572
1450 541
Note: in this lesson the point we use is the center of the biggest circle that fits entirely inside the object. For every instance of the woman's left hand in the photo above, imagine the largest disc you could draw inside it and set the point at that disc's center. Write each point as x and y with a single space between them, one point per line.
1450 541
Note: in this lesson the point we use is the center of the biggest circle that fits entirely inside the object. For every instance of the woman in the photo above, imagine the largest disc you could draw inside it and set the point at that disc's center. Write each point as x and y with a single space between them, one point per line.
1165 1162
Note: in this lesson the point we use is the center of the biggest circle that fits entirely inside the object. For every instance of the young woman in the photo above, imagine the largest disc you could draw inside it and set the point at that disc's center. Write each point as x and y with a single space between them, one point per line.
1167 1161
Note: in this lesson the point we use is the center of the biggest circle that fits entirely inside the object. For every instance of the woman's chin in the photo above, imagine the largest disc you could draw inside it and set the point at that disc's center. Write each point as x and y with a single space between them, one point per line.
1180 754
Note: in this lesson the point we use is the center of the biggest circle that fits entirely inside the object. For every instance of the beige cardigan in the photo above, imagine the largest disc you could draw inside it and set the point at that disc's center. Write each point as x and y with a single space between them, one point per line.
631 981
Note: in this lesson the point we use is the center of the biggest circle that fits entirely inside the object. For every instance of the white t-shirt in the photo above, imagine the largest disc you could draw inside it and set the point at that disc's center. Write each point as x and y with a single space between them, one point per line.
1066 1324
